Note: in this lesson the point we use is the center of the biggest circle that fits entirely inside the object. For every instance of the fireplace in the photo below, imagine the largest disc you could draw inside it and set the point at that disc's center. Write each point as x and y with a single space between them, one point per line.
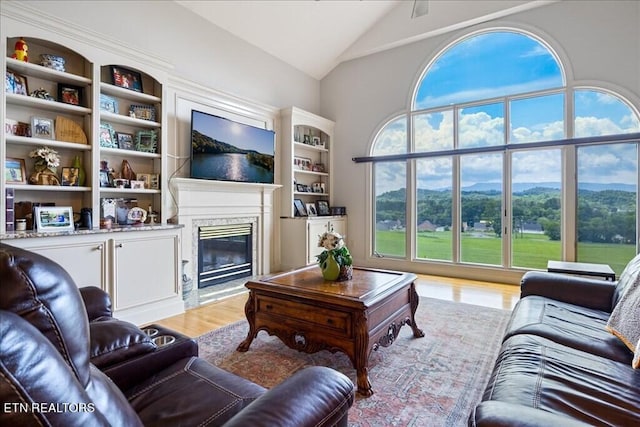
224 253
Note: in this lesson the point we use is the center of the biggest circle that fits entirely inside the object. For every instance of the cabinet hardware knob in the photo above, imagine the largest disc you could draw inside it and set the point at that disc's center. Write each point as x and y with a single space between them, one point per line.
330 321
119 245
98 248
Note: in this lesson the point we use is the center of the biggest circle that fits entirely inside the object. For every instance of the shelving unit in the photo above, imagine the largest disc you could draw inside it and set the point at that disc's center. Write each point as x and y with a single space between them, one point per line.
21 108
93 81
309 137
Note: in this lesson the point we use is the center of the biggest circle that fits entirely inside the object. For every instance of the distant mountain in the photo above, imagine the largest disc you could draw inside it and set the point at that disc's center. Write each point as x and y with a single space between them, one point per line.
202 143
524 186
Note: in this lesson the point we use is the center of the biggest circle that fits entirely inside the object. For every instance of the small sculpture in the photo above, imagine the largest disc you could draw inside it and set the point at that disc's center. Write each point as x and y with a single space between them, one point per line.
20 52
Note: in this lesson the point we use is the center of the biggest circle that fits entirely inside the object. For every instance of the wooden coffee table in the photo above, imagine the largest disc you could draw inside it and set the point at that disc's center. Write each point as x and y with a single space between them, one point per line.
310 314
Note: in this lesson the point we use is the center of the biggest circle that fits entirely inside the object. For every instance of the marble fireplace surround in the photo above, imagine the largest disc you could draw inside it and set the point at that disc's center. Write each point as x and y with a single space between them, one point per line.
203 202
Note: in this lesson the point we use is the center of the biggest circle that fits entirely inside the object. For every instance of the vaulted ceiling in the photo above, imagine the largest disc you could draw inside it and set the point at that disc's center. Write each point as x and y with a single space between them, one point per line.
316 35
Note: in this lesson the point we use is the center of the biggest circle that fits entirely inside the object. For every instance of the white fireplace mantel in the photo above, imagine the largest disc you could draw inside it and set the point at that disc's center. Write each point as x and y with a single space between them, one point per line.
217 202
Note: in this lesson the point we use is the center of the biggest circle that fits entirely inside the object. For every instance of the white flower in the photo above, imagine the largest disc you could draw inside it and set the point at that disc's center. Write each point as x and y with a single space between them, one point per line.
46 155
331 240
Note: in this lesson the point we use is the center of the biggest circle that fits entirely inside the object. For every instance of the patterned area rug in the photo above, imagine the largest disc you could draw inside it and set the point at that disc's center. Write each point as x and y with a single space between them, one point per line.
430 381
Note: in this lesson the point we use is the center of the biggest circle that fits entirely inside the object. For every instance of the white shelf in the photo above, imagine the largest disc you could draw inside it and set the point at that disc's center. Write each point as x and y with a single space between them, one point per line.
43 104
303 146
128 153
111 190
126 120
303 172
132 95
35 70
25 140
56 188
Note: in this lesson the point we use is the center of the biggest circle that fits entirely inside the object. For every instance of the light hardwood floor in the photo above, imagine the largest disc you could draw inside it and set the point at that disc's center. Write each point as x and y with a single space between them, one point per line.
197 321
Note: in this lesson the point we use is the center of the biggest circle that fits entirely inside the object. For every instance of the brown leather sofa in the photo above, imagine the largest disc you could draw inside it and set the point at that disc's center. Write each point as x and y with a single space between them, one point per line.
52 342
559 365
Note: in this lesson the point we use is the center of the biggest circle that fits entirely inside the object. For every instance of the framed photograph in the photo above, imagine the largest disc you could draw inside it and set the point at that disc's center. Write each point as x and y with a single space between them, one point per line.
318 167
301 188
20 85
318 187
320 144
105 180
147 141
10 81
307 139
136 185
70 177
144 112
109 104
120 183
302 163
42 127
154 184
315 140
298 207
322 207
145 178
107 136
125 141
15 171
69 94
311 209
14 127
125 78
54 218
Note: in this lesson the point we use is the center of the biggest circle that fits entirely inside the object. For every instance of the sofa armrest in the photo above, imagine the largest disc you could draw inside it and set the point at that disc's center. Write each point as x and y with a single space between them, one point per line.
502 414
582 291
133 370
314 396
96 301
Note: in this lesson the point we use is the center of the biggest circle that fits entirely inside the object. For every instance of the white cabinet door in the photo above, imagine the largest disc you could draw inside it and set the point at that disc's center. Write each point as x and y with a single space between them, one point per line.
339 226
315 228
145 270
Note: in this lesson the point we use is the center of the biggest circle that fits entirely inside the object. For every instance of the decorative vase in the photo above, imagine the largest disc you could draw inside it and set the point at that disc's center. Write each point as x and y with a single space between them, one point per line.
82 176
346 273
330 268
44 176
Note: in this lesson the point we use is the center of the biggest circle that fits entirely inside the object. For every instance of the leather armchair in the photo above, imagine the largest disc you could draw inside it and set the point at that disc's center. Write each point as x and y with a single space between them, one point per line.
48 377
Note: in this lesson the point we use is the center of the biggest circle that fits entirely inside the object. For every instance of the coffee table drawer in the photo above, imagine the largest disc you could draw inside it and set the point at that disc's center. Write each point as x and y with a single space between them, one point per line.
338 321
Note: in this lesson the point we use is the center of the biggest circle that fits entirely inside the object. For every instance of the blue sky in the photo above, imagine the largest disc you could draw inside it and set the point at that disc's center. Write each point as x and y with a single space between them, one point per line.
237 134
499 64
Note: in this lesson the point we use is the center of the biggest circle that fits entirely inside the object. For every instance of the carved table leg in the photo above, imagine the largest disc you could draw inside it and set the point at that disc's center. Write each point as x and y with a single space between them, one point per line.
250 312
361 359
414 299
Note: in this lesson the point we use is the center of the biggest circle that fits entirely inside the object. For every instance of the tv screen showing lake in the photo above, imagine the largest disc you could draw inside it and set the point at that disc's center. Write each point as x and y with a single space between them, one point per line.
229 167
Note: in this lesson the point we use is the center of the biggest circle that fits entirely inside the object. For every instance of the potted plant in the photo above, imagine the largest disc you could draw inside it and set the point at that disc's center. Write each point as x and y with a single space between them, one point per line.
335 261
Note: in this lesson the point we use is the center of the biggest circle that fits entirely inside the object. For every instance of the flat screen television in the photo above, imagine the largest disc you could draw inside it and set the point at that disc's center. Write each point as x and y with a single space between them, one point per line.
225 150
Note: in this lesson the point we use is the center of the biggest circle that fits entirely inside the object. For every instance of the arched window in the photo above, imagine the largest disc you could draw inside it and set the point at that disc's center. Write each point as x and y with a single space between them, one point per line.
489 129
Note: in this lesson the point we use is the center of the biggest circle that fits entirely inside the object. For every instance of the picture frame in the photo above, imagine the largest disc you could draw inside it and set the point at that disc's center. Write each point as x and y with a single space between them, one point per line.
318 187
154 183
322 207
307 139
14 127
299 208
143 112
109 104
318 167
126 78
136 185
70 177
147 141
54 218
315 141
15 171
105 180
20 86
68 94
301 188
10 81
42 127
107 136
145 178
125 141
311 209
302 163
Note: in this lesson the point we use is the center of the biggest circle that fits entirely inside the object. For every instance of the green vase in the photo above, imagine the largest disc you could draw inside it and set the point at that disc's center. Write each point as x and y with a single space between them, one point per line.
82 176
330 268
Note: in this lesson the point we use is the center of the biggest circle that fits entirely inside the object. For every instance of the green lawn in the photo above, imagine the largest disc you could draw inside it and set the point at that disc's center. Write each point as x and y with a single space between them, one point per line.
529 250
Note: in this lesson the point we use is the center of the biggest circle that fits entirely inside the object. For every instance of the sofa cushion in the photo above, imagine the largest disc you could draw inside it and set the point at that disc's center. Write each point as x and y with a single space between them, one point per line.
113 341
535 372
568 324
192 392
624 322
628 276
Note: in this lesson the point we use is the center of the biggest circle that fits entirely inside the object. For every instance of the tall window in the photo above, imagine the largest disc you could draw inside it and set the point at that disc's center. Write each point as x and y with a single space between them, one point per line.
489 145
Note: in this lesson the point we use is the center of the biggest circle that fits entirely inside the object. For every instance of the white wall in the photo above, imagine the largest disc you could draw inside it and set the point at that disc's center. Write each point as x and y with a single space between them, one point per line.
601 41
198 50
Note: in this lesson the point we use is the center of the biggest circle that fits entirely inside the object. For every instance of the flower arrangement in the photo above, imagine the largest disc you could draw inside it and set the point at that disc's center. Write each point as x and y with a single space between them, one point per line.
335 261
46 158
